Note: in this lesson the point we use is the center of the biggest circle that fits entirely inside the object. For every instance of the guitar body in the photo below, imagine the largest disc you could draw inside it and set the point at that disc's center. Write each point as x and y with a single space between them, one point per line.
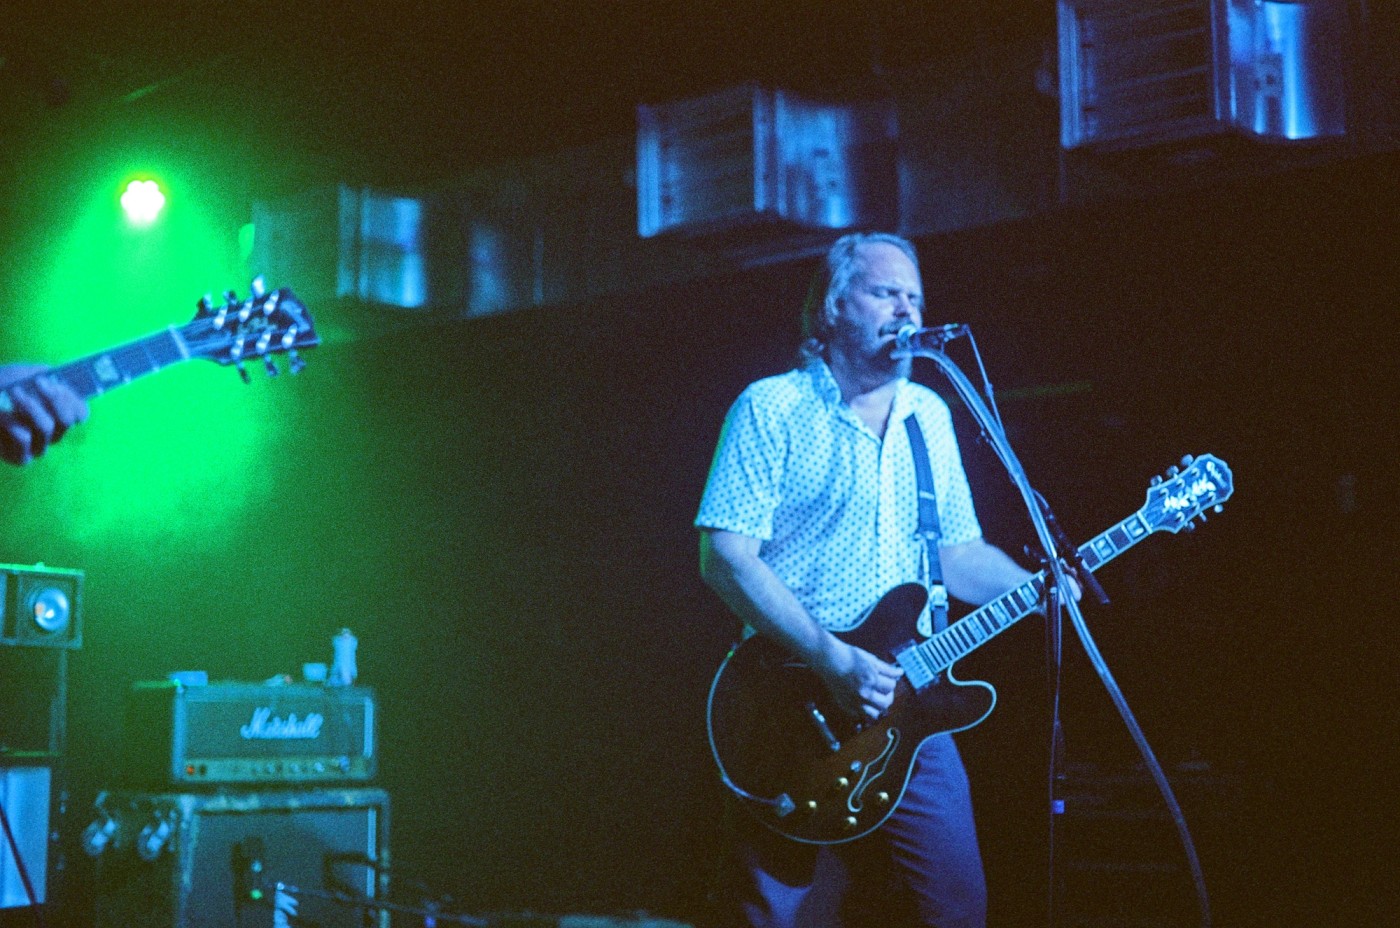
776 732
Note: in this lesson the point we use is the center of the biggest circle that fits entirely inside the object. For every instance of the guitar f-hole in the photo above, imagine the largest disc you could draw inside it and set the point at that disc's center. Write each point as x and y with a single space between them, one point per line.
819 720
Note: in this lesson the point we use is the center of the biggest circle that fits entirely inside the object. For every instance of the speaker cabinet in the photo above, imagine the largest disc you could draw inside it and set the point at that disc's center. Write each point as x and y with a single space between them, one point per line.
183 860
25 794
40 606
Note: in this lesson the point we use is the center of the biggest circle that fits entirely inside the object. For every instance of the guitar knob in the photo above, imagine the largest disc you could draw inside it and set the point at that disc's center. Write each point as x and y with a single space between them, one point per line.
811 805
850 823
842 782
882 798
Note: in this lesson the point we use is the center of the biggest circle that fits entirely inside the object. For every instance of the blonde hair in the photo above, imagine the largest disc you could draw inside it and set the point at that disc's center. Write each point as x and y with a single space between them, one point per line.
830 283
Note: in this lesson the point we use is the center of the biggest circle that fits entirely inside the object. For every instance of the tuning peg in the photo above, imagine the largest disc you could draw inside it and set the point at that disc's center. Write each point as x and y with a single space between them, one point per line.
1173 471
1156 481
1190 526
295 362
243 372
269 366
1186 460
206 305
258 288
1218 509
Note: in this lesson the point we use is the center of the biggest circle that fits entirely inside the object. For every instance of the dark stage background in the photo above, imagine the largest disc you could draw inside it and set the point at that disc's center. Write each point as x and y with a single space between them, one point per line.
501 510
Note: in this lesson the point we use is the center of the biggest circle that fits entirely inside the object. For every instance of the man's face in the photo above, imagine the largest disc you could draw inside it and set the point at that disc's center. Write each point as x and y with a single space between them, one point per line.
884 295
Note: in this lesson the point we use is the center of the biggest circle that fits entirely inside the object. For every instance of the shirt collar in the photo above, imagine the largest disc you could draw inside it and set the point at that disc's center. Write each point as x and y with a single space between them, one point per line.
829 391
824 382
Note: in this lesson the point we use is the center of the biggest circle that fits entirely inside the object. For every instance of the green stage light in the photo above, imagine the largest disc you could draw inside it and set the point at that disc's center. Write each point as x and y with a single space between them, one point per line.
143 201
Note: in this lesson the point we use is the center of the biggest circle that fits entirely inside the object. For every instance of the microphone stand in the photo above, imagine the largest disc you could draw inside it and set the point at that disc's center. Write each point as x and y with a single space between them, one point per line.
1052 541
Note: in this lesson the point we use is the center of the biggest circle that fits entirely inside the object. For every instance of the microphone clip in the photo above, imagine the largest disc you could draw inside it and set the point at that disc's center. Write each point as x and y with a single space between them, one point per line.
910 338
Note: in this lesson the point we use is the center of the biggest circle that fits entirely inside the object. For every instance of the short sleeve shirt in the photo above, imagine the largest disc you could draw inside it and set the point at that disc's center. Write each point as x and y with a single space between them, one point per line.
834 507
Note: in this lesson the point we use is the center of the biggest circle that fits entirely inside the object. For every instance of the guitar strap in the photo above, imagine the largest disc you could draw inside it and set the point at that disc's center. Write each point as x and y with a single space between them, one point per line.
929 530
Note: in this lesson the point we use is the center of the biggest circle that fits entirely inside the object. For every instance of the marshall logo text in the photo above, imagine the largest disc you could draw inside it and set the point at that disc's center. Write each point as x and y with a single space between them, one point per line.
268 727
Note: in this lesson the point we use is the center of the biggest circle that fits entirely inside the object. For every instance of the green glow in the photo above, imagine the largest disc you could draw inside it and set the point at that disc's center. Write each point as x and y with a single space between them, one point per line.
173 452
143 200
245 242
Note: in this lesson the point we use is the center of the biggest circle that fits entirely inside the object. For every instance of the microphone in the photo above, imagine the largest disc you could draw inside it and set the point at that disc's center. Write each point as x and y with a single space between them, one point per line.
910 337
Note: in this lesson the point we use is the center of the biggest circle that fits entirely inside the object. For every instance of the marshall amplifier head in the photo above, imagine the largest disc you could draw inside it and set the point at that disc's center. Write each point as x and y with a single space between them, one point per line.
179 735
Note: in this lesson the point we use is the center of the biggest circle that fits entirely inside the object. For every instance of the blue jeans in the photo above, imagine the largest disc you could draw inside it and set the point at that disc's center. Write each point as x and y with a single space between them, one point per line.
922 867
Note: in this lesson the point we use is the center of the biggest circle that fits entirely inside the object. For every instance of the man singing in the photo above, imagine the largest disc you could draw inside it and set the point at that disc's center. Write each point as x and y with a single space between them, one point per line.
809 515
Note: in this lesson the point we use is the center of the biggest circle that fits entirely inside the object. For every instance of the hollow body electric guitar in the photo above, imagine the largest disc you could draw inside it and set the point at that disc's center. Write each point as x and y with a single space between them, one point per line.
233 333
810 771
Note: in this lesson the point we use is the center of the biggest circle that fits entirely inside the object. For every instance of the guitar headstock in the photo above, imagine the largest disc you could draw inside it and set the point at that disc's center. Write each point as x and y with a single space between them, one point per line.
1184 494
263 325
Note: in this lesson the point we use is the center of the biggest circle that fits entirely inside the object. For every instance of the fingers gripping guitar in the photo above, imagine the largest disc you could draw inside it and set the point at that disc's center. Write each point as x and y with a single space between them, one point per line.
859 682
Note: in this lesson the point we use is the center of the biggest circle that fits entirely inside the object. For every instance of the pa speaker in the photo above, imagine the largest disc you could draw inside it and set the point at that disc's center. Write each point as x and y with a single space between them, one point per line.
40 606
24 795
187 860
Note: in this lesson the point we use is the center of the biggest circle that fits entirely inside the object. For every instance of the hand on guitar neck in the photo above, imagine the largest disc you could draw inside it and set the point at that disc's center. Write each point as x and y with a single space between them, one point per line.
39 404
35 411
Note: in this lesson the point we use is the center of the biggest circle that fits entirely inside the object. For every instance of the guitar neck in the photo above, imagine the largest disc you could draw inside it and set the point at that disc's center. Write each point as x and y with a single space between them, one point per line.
101 372
977 628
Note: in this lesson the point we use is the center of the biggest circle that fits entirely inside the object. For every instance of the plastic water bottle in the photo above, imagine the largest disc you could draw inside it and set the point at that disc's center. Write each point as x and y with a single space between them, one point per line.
343 670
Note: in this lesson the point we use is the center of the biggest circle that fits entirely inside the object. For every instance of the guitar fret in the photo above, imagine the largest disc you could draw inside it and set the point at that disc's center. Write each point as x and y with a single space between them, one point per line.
79 378
926 662
93 375
165 349
134 360
946 650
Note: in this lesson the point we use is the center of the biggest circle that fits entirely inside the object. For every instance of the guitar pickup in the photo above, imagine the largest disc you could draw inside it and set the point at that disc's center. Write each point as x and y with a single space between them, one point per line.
819 720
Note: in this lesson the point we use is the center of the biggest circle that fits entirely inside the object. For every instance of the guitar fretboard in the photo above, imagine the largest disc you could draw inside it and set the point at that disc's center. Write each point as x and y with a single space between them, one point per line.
923 662
101 372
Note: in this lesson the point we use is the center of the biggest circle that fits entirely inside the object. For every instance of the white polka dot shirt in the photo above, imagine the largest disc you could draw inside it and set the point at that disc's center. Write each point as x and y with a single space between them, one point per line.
836 508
